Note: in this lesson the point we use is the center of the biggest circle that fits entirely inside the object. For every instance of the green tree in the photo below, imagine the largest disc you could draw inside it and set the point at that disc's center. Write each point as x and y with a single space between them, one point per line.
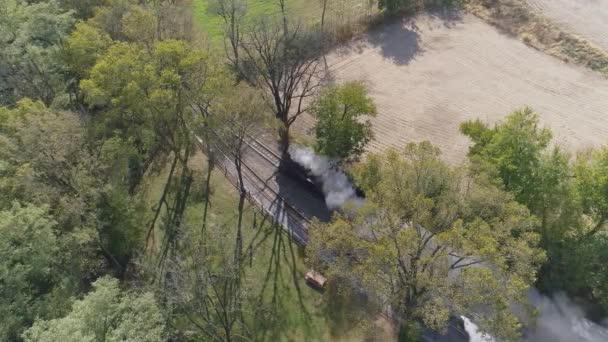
340 110
517 152
153 100
81 51
432 242
83 9
48 161
28 264
569 198
109 17
150 98
514 148
591 175
30 39
105 314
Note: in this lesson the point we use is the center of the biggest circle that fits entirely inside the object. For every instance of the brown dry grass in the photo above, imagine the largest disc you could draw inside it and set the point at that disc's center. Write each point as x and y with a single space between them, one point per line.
517 18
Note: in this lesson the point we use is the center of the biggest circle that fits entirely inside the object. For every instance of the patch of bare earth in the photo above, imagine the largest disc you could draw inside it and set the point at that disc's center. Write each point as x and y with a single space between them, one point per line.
430 73
587 18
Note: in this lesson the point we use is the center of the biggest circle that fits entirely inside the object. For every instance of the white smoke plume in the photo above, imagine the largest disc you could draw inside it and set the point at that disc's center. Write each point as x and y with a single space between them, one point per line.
559 320
474 334
336 187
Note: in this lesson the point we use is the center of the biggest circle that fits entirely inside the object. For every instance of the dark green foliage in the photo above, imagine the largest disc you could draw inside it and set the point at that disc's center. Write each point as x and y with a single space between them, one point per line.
30 39
28 264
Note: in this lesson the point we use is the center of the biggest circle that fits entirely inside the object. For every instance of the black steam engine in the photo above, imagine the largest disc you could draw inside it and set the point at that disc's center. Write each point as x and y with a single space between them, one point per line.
301 175
304 177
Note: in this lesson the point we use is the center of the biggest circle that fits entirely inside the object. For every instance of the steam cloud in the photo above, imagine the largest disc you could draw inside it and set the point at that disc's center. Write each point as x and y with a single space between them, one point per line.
335 185
559 320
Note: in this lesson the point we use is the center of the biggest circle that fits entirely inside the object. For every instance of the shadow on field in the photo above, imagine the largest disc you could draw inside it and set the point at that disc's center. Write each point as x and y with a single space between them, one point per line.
399 41
448 15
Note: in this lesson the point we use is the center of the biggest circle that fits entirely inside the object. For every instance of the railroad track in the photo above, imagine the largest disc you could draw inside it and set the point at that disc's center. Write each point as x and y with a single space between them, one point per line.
258 190
263 151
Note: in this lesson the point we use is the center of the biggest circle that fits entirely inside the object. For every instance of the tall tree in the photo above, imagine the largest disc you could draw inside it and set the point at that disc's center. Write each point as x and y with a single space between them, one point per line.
105 314
233 14
239 117
341 130
517 152
85 45
30 39
433 242
286 64
568 198
48 161
591 174
29 254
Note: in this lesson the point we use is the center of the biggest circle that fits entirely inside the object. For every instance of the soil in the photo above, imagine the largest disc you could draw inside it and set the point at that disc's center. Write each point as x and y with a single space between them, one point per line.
429 73
586 18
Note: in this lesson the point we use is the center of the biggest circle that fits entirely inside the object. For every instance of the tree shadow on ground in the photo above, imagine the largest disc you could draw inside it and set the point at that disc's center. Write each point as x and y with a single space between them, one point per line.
399 38
448 15
398 41
280 301
346 309
301 195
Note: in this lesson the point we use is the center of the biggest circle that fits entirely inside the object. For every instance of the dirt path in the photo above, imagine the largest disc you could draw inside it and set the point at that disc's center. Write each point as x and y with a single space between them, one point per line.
586 18
431 73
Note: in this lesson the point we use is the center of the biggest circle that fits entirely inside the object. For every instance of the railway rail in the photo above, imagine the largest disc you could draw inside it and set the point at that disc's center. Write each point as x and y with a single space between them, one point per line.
260 194
258 191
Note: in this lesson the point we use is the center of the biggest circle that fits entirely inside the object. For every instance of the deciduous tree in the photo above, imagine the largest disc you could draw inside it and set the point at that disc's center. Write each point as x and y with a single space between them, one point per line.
30 39
286 64
343 128
105 314
432 242
28 265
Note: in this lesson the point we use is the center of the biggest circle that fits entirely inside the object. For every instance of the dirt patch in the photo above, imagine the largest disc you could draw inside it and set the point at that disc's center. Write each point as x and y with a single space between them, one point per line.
586 18
430 73
519 19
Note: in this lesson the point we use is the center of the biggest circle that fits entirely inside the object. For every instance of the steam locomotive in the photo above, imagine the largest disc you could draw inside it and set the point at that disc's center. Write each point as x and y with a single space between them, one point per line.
305 178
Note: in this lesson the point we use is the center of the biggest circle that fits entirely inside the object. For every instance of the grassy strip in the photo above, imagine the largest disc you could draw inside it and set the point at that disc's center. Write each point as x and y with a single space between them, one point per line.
517 18
293 311
256 9
346 18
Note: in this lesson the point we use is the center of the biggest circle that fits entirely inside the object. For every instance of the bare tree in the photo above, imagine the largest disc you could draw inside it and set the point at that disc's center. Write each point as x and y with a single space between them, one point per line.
287 65
241 115
233 14
324 3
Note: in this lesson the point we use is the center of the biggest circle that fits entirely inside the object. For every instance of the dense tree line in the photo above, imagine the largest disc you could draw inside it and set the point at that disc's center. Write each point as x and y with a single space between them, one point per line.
567 193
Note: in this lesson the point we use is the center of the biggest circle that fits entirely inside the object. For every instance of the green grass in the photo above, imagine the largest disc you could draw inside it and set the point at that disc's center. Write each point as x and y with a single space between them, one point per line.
213 24
293 311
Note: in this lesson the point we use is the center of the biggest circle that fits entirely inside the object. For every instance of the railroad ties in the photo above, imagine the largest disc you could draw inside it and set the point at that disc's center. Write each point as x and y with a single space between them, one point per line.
260 192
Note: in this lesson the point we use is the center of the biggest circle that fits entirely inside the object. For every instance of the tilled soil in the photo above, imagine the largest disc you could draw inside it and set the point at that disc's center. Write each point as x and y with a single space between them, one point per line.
585 18
430 73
